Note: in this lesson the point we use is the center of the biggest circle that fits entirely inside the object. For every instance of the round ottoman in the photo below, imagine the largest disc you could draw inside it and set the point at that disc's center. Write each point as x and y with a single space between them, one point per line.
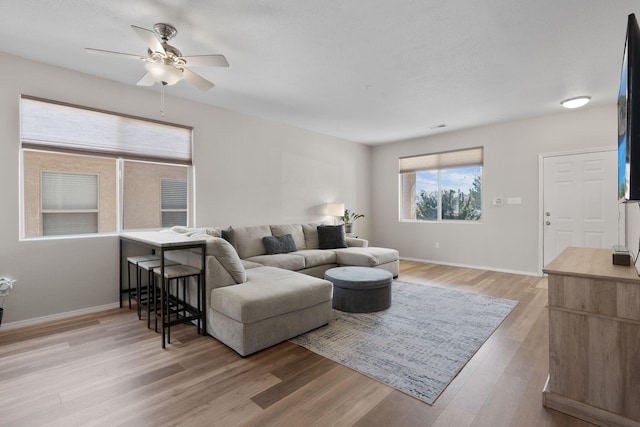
360 289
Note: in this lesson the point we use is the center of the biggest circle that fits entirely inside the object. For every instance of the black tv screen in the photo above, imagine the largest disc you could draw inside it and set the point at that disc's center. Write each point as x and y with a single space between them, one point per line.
629 116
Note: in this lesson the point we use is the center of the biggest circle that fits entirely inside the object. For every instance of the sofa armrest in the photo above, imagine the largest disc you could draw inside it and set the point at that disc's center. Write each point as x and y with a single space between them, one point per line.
355 242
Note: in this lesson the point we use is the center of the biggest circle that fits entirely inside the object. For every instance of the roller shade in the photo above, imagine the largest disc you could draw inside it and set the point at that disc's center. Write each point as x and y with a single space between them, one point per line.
444 160
62 127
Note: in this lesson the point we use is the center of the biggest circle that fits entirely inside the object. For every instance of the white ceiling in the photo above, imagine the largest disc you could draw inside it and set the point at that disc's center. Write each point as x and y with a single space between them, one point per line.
371 71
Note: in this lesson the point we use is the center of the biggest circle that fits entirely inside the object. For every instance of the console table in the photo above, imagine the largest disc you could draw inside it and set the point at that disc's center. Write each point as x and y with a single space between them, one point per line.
161 243
594 338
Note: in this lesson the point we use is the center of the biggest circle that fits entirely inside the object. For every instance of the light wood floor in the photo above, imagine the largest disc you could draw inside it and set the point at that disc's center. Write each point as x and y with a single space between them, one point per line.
108 369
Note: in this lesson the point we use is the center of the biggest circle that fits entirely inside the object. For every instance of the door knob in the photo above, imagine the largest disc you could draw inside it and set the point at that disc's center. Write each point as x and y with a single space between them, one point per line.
548 222
548 214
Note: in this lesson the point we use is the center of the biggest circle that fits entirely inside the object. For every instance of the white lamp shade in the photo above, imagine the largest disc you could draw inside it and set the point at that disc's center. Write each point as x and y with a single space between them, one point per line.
164 73
335 209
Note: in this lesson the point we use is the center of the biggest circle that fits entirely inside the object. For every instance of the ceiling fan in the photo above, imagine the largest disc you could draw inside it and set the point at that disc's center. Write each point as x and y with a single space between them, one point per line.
164 63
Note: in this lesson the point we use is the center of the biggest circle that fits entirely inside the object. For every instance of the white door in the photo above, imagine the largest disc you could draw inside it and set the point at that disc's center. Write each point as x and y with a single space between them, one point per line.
580 202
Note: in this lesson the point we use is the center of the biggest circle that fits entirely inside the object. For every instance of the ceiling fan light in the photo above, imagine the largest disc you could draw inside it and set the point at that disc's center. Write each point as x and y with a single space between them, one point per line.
576 102
164 73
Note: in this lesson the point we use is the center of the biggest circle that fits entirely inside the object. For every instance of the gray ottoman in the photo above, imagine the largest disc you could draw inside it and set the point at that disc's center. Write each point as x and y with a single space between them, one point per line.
360 289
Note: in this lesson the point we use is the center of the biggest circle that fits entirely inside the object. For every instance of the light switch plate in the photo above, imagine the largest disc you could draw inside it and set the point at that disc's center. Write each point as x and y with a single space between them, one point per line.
514 200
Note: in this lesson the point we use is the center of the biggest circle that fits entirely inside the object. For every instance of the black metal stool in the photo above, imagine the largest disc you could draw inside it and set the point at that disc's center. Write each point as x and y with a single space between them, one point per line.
134 260
175 308
145 293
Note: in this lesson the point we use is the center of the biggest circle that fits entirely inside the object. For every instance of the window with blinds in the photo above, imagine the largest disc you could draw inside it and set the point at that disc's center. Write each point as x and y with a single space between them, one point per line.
69 203
173 201
88 171
444 186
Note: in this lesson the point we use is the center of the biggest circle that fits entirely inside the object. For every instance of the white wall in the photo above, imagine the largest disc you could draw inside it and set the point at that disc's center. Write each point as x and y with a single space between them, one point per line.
248 171
507 237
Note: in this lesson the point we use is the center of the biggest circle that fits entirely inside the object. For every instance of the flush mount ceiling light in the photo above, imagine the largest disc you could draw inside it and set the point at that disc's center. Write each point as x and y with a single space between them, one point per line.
576 102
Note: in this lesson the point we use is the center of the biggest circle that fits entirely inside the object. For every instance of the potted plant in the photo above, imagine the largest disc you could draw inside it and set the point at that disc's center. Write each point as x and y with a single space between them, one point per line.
348 218
5 287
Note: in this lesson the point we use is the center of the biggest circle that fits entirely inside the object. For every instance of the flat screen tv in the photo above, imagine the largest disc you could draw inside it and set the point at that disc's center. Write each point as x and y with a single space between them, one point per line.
629 116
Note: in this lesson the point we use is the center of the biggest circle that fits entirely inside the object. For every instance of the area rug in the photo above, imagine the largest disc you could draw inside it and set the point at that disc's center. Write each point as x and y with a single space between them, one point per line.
419 344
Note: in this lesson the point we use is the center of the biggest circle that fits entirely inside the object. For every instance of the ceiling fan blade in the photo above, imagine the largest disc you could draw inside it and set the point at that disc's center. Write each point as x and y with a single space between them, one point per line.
109 52
150 38
196 80
146 80
206 61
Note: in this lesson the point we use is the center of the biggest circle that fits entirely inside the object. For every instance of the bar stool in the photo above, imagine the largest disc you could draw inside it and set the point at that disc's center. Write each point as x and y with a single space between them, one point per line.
175 305
134 260
148 266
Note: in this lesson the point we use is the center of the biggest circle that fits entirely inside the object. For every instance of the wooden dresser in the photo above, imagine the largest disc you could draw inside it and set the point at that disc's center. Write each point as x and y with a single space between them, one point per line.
594 338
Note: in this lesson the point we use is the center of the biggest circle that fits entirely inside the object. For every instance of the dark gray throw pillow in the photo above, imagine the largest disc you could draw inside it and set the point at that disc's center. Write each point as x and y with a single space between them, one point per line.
230 236
331 236
279 244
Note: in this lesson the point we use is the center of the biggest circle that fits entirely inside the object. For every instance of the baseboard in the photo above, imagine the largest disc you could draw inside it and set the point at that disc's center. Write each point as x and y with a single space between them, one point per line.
475 267
58 316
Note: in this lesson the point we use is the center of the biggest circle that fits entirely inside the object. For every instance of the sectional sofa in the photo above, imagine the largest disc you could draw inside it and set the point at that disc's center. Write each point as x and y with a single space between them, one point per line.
264 284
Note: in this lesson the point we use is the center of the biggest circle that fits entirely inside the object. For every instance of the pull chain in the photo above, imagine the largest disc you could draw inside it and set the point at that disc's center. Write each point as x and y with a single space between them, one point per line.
162 99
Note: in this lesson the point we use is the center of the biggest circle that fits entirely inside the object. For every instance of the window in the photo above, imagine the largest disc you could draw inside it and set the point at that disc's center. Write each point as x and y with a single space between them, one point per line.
142 193
442 186
86 171
69 203
173 205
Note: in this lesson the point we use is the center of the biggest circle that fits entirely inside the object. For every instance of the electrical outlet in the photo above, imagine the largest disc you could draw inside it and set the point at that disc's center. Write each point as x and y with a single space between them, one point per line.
497 201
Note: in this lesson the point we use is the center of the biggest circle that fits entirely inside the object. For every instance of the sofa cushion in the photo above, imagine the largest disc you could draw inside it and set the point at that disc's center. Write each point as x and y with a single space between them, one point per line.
270 292
315 257
249 240
331 236
287 261
296 233
228 257
366 257
279 244
311 236
248 264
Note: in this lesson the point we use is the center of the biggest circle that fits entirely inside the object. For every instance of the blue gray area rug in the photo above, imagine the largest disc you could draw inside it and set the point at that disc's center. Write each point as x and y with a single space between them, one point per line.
419 344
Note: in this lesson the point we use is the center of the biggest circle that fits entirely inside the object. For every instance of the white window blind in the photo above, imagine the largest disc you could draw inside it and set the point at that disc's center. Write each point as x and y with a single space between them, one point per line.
67 191
61 224
69 203
444 160
173 201
174 193
56 126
